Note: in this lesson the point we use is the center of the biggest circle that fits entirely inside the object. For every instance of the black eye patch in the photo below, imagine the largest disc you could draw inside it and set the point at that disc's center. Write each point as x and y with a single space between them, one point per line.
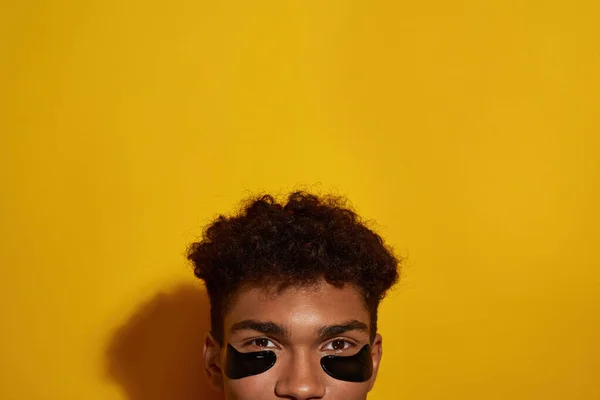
356 368
240 365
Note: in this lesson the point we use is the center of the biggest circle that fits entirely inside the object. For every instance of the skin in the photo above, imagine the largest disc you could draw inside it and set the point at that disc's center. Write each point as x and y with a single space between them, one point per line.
304 324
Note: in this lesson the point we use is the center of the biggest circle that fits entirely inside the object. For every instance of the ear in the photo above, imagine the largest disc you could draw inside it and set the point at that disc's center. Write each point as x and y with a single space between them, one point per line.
212 362
376 354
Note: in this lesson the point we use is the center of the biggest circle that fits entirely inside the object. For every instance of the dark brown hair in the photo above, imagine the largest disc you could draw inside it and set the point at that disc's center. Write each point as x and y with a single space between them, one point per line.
299 243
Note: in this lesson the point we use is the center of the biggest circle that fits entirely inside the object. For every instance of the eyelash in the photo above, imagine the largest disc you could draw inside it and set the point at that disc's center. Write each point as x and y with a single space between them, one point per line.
252 342
347 343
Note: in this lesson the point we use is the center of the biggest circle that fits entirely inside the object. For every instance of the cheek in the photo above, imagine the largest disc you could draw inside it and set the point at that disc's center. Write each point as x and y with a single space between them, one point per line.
257 387
340 390
262 387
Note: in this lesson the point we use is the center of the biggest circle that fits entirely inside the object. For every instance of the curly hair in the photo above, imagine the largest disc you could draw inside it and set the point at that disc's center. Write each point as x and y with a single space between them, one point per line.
296 244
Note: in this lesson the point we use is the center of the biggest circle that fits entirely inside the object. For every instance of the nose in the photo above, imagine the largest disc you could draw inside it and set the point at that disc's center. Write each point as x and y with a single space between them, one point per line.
301 379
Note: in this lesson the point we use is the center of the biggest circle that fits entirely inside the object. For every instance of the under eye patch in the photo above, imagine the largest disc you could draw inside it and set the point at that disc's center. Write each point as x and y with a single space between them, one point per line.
356 368
240 365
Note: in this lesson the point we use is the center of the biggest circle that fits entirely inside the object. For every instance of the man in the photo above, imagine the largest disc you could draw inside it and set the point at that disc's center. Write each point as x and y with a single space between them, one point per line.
294 290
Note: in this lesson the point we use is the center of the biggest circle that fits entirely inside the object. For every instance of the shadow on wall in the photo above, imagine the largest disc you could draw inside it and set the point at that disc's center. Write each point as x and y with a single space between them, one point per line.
157 354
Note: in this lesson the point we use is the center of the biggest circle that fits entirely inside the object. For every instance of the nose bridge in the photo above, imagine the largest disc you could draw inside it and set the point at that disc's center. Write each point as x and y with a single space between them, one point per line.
301 378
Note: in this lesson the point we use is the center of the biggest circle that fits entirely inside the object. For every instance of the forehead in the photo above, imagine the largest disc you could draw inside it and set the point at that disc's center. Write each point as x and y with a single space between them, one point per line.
299 308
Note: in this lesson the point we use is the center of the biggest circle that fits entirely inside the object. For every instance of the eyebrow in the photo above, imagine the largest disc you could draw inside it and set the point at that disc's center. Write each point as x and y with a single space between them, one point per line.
264 327
271 328
338 329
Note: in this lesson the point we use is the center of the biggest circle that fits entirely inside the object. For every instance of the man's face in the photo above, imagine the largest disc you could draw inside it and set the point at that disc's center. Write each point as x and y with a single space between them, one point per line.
300 326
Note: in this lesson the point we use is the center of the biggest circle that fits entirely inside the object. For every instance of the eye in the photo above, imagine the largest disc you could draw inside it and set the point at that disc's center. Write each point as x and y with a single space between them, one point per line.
262 343
339 345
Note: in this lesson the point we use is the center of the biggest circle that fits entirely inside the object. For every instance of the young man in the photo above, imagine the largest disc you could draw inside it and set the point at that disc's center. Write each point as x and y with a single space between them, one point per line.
294 290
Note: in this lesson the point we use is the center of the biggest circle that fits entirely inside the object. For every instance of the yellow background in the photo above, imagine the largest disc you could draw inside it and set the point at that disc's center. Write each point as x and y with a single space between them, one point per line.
468 130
